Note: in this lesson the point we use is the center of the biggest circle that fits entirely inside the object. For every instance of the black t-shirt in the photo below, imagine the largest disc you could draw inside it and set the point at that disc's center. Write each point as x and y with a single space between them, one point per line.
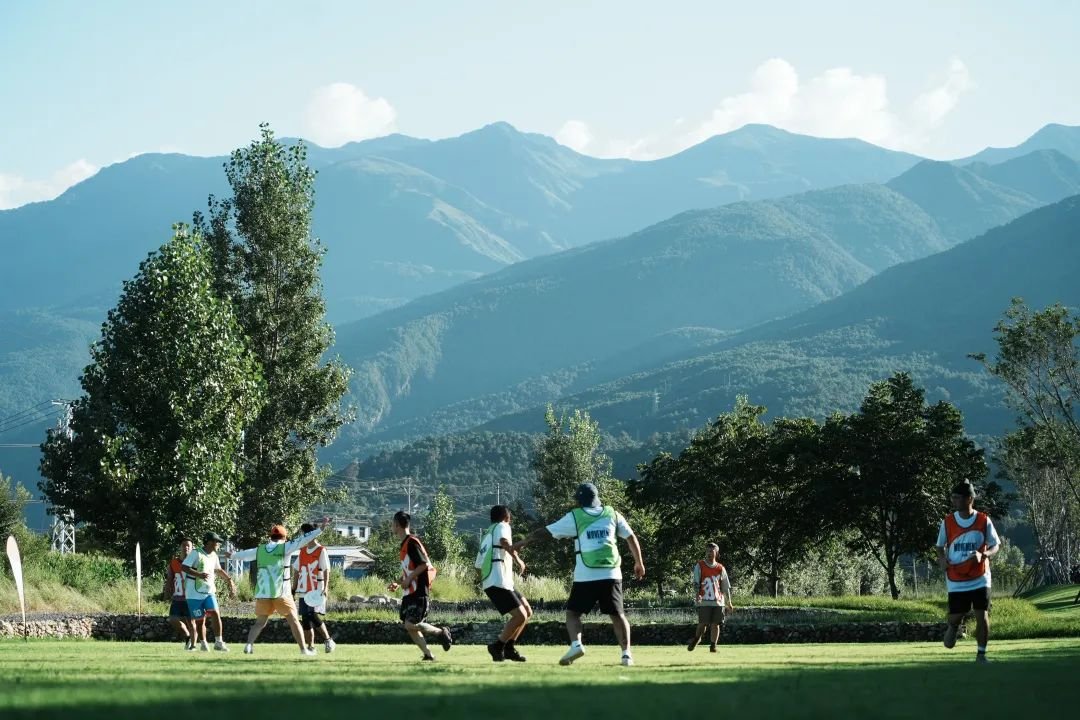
417 557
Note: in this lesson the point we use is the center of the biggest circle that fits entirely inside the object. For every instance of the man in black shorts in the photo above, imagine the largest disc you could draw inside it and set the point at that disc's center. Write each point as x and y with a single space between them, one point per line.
597 570
497 577
966 542
417 572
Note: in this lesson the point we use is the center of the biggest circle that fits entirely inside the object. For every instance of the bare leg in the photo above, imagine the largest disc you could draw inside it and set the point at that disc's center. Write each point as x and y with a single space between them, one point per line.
417 635
260 623
622 630
513 626
294 626
714 634
180 627
982 627
573 626
323 630
200 628
217 626
528 613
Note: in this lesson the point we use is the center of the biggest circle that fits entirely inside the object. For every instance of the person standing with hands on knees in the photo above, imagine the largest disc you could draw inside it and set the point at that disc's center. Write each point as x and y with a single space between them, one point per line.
597 569
966 542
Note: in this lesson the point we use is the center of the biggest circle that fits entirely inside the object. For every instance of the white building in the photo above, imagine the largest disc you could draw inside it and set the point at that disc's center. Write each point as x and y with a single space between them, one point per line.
351 527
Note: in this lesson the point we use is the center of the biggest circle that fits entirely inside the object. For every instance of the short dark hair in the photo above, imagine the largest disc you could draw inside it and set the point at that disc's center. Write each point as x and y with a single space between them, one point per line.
183 539
964 489
402 519
306 528
499 513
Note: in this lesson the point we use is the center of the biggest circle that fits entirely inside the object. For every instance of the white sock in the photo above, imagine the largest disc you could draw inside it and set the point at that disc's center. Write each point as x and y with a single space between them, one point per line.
576 644
982 649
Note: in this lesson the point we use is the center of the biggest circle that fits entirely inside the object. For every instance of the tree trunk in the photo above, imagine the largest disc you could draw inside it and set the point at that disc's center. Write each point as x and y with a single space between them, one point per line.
891 570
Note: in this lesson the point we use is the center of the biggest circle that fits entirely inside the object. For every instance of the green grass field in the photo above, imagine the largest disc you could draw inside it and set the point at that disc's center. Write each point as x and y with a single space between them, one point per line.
87 679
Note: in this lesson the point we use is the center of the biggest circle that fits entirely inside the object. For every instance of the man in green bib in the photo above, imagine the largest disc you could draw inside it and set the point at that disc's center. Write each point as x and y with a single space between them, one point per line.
272 586
597 571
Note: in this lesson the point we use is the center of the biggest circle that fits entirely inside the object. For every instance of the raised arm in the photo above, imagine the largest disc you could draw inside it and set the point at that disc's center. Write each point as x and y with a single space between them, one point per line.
538 535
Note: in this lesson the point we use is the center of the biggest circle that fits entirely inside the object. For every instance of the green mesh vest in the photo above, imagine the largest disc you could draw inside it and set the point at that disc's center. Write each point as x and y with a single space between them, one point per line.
596 538
270 579
488 563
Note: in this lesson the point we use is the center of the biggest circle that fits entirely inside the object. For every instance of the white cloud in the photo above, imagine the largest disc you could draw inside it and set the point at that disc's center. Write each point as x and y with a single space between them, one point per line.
339 113
16 190
837 103
575 135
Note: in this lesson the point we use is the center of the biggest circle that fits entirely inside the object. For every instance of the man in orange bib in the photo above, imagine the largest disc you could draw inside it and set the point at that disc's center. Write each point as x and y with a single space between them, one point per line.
417 572
966 542
713 597
179 617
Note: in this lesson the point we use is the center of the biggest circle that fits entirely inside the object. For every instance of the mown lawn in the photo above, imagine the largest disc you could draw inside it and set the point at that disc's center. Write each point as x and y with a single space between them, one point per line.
89 679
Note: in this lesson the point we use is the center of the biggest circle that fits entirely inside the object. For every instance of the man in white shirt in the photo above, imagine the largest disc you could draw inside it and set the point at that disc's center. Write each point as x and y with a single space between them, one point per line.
966 542
497 577
712 595
597 569
311 580
200 568
272 586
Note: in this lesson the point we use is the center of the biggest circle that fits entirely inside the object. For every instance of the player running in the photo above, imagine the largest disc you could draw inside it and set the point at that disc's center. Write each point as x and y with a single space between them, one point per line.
497 577
966 542
417 572
597 570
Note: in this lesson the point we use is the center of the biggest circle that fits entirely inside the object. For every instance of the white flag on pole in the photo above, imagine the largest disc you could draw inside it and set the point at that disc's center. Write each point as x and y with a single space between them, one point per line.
138 578
16 569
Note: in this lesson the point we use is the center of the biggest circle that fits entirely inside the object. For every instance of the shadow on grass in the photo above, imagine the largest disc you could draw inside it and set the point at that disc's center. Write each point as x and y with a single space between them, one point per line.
1015 685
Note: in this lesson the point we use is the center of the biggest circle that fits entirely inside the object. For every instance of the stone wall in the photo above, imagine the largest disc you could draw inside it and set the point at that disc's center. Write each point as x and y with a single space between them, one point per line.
131 627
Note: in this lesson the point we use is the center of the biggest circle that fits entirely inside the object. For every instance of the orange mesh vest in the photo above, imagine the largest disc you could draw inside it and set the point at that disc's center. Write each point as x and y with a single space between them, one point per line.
969 569
710 581
407 565
310 573
176 579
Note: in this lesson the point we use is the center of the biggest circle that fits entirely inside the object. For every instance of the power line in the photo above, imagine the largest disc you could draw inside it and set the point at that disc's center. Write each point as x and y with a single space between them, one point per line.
28 410
31 421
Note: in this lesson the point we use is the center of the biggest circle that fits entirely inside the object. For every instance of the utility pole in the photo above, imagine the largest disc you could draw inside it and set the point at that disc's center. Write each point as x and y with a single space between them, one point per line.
63 529
498 493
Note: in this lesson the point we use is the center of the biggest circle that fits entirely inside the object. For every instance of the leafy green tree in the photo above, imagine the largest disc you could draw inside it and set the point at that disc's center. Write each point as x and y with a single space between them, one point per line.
266 263
13 500
167 395
902 458
756 489
568 455
440 529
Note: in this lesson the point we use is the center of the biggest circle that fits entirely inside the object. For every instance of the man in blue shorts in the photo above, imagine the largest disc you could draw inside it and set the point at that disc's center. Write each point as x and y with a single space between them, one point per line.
201 567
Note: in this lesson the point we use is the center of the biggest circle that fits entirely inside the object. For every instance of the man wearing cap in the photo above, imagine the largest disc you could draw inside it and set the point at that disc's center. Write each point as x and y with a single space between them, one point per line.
200 568
597 571
272 583
966 542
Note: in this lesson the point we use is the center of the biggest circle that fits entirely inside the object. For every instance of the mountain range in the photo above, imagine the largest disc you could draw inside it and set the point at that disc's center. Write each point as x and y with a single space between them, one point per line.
472 278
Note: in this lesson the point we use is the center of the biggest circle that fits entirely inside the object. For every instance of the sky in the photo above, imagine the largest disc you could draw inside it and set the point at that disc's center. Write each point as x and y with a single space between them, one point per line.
84 85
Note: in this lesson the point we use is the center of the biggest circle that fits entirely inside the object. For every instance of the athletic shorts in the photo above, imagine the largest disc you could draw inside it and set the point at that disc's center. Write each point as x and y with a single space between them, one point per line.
710 614
505 600
414 608
200 607
962 602
178 609
584 596
310 617
283 606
